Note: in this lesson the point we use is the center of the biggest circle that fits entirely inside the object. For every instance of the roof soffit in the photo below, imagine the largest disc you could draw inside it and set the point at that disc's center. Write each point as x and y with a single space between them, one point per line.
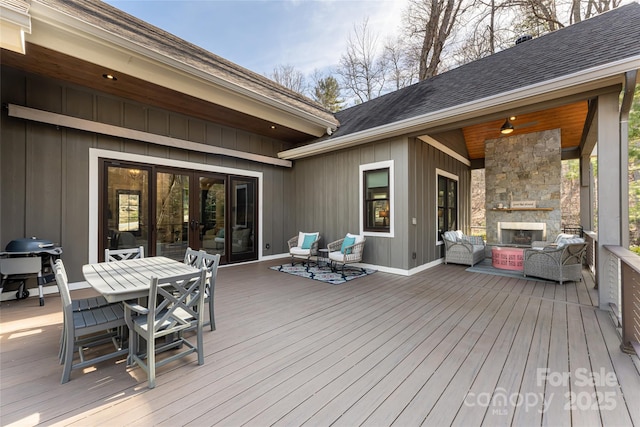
66 34
14 23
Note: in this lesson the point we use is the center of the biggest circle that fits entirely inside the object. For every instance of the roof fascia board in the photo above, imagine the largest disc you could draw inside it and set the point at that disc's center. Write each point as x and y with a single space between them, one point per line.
52 29
583 81
14 24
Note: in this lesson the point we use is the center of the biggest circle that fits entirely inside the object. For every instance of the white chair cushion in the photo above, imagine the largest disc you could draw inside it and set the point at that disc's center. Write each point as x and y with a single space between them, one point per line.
358 237
568 241
300 251
336 256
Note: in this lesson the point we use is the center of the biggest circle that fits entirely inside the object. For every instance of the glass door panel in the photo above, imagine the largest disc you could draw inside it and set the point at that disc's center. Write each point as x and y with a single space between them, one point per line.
212 206
243 198
126 217
172 214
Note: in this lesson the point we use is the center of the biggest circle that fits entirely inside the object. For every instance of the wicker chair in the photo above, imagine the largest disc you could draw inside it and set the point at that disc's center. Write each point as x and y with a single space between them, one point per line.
560 264
463 249
348 253
304 245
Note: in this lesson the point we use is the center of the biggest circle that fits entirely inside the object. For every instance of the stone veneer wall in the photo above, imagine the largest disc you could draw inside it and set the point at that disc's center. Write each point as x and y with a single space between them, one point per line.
519 168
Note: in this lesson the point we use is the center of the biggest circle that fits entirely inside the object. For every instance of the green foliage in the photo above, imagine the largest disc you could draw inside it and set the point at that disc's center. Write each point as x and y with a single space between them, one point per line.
327 93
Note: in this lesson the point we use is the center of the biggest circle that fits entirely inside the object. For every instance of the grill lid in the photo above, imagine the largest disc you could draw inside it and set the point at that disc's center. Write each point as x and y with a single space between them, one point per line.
31 245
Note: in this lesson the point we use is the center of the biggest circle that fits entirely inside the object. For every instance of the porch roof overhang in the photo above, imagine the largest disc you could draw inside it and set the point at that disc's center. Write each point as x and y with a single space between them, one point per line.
68 40
569 89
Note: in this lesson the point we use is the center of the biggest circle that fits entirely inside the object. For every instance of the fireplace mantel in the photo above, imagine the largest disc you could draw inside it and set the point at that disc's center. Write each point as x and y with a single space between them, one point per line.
521 209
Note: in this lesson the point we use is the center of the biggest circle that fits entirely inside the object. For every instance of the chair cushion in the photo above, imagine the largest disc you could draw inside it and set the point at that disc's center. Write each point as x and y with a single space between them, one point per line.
299 251
308 241
348 241
358 237
301 236
568 241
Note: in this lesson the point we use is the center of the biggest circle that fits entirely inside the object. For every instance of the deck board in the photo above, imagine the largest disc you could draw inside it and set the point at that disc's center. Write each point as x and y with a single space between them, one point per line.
380 350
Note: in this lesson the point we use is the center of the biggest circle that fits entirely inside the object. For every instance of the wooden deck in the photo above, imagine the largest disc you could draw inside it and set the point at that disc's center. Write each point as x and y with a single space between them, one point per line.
443 347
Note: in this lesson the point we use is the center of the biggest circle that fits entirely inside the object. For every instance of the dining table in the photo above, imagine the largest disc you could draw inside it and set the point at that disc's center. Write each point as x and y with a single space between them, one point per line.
131 279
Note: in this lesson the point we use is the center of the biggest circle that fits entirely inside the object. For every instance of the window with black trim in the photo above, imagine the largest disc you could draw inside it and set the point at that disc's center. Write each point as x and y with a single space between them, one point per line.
377 197
447 204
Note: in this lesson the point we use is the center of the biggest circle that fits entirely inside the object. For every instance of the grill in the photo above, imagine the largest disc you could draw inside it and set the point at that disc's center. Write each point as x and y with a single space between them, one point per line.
25 258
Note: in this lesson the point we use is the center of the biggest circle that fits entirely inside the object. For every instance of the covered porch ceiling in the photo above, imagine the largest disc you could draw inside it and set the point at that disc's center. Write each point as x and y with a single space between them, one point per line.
49 63
569 118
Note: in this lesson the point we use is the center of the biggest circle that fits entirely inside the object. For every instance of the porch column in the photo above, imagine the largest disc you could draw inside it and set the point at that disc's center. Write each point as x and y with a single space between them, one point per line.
609 193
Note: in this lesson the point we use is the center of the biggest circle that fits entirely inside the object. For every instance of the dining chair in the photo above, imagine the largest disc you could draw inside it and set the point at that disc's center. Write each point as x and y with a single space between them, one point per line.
173 303
123 254
79 304
210 262
87 328
193 257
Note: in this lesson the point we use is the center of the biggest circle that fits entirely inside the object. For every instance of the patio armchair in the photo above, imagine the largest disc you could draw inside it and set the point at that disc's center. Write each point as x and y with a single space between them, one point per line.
561 264
304 246
346 250
463 249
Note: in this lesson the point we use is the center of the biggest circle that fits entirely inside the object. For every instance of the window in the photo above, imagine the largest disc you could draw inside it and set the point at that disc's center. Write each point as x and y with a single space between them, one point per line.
447 202
376 195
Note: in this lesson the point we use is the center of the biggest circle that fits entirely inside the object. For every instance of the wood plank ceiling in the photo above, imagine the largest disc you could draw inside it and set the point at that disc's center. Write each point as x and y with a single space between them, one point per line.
569 118
46 62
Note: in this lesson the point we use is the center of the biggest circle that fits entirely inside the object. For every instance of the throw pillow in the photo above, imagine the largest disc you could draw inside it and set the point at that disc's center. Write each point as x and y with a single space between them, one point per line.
348 241
308 241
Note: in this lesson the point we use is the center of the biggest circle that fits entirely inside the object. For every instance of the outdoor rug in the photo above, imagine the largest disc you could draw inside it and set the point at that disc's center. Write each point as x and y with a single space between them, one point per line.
324 273
485 267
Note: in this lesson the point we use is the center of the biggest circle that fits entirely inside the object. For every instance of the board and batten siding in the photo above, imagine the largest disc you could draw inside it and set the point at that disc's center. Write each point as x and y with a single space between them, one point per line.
425 161
327 199
44 169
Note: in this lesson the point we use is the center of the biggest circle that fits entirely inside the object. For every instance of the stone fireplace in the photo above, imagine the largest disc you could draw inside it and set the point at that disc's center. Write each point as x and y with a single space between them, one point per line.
521 233
523 168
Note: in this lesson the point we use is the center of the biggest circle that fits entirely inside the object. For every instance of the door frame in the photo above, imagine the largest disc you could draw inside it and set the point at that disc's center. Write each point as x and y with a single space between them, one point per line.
95 154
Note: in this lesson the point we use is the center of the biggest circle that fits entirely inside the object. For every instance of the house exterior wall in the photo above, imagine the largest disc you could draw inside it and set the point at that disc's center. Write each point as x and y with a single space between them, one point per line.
424 164
327 199
44 170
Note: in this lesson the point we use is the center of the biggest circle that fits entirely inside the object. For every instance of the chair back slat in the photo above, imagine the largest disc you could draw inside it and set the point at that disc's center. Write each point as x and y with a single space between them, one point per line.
111 255
193 257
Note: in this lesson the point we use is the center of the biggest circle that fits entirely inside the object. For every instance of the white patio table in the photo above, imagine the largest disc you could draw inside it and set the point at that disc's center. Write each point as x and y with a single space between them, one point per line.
130 279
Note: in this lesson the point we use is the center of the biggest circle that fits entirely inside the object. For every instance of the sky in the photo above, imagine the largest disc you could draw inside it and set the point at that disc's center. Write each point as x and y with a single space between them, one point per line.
262 34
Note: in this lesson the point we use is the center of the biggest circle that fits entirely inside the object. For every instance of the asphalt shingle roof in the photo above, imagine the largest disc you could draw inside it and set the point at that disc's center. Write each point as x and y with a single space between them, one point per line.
606 38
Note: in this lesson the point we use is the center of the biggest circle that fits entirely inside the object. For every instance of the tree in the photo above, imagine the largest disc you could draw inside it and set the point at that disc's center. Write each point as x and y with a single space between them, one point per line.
361 69
327 92
289 77
401 67
428 25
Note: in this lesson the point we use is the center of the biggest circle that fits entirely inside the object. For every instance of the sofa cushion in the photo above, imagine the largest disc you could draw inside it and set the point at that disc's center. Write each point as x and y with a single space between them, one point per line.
568 241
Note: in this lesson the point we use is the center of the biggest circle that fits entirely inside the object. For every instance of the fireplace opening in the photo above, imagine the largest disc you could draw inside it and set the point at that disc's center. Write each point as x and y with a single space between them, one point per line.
521 233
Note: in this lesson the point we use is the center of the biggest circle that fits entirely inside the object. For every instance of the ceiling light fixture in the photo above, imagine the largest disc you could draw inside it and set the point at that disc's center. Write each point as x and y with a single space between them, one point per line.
506 128
110 77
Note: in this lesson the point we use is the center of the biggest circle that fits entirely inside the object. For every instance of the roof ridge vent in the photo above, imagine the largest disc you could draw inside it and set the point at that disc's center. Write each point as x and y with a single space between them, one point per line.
523 38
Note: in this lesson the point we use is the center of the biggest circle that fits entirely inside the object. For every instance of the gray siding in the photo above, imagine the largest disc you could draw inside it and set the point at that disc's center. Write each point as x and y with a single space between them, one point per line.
327 198
44 170
424 160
